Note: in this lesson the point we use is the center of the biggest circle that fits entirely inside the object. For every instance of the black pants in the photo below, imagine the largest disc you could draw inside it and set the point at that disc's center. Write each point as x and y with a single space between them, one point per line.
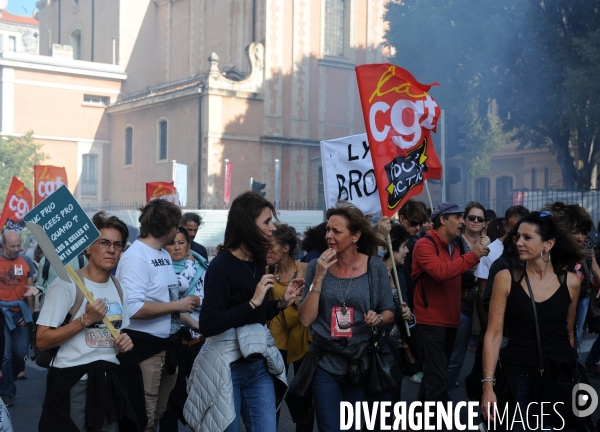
174 411
436 346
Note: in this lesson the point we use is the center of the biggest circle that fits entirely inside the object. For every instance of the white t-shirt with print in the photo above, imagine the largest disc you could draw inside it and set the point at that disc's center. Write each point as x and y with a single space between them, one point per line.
95 342
147 275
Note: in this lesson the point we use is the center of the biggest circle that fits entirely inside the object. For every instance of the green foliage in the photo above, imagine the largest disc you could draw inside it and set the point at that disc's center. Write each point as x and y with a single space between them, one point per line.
484 141
18 155
538 59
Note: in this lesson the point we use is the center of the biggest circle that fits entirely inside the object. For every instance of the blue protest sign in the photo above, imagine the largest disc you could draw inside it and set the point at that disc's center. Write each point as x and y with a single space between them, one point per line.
61 227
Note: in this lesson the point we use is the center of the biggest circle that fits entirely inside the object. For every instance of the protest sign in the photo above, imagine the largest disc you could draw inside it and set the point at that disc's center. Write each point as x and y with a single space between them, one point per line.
399 117
162 190
348 173
63 231
18 202
47 179
180 182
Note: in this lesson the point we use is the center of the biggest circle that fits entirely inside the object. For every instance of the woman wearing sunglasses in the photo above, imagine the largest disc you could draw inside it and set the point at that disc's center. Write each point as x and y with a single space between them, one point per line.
340 292
475 222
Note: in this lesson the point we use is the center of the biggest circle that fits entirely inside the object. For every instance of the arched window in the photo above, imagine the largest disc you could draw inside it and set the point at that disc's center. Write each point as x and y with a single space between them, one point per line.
482 191
162 140
128 145
76 44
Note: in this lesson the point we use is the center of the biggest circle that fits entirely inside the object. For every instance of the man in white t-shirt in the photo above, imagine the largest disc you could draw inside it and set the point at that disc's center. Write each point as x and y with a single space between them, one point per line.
147 276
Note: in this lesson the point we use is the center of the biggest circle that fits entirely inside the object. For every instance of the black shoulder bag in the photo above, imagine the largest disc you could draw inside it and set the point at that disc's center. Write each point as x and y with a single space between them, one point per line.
386 372
555 380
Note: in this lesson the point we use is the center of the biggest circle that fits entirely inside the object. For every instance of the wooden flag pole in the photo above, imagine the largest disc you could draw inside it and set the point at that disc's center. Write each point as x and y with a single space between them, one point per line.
395 273
90 298
429 196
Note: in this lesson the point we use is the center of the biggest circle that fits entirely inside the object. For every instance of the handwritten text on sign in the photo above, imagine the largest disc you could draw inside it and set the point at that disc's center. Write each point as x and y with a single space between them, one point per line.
65 223
348 173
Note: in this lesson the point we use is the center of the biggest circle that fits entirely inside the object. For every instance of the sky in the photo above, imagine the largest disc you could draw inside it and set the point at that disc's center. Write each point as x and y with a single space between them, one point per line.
21 7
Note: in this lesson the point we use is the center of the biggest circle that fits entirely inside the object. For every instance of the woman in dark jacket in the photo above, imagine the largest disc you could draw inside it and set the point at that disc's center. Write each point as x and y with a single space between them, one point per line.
236 294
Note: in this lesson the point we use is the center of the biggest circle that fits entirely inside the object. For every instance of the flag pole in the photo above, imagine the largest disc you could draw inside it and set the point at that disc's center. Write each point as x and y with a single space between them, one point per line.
395 273
428 196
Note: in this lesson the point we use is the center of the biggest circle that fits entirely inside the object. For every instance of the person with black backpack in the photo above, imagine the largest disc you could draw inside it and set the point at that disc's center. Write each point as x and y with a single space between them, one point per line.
437 267
83 388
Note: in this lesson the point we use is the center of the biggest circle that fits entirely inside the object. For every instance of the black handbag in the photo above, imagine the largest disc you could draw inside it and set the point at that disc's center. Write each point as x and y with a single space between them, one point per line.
555 381
385 372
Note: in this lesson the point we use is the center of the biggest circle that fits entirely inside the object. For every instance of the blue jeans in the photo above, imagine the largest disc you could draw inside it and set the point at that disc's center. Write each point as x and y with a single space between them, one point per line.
593 356
328 391
461 343
254 397
524 397
582 308
16 347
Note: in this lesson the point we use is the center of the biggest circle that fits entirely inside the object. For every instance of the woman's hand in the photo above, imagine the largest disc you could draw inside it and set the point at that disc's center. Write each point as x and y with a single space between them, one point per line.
406 313
372 319
326 260
384 226
489 397
191 256
262 288
291 293
94 312
124 343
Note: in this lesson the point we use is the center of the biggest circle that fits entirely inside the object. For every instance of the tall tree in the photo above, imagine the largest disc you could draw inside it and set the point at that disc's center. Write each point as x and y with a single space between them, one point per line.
536 58
18 155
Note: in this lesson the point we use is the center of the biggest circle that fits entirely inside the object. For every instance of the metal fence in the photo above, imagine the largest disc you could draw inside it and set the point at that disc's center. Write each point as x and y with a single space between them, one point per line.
536 199
112 206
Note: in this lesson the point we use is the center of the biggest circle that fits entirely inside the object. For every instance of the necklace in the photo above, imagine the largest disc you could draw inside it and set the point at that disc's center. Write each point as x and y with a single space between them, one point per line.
253 273
344 308
278 279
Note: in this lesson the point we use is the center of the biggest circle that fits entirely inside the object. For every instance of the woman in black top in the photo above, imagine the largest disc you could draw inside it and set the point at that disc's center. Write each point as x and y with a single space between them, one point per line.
547 250
235 294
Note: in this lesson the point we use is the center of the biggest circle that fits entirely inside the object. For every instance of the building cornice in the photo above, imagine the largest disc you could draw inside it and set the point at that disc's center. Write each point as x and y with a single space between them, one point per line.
273 140
60 65
146 102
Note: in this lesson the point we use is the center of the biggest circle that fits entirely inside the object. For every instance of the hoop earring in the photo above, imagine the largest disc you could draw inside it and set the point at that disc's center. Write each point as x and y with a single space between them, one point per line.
542 256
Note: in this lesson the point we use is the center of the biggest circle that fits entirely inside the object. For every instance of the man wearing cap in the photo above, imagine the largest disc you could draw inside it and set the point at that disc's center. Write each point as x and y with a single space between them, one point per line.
437 267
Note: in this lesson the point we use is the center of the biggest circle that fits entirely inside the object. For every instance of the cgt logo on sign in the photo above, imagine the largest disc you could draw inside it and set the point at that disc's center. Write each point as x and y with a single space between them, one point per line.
400 116
18 204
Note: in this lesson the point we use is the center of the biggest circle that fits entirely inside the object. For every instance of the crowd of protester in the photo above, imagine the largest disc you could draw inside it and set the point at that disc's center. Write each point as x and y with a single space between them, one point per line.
210 345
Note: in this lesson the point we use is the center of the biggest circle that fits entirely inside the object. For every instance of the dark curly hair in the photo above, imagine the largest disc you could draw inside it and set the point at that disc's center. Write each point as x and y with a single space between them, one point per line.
566 252
398 235
356 221
314 238
286 235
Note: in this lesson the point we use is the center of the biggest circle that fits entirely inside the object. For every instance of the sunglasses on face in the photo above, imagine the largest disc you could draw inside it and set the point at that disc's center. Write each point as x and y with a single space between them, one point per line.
473 218
413 223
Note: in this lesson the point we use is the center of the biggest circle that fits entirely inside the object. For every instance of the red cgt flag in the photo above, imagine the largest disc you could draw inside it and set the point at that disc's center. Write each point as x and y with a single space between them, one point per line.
17 205
48 178
162 190
399 117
